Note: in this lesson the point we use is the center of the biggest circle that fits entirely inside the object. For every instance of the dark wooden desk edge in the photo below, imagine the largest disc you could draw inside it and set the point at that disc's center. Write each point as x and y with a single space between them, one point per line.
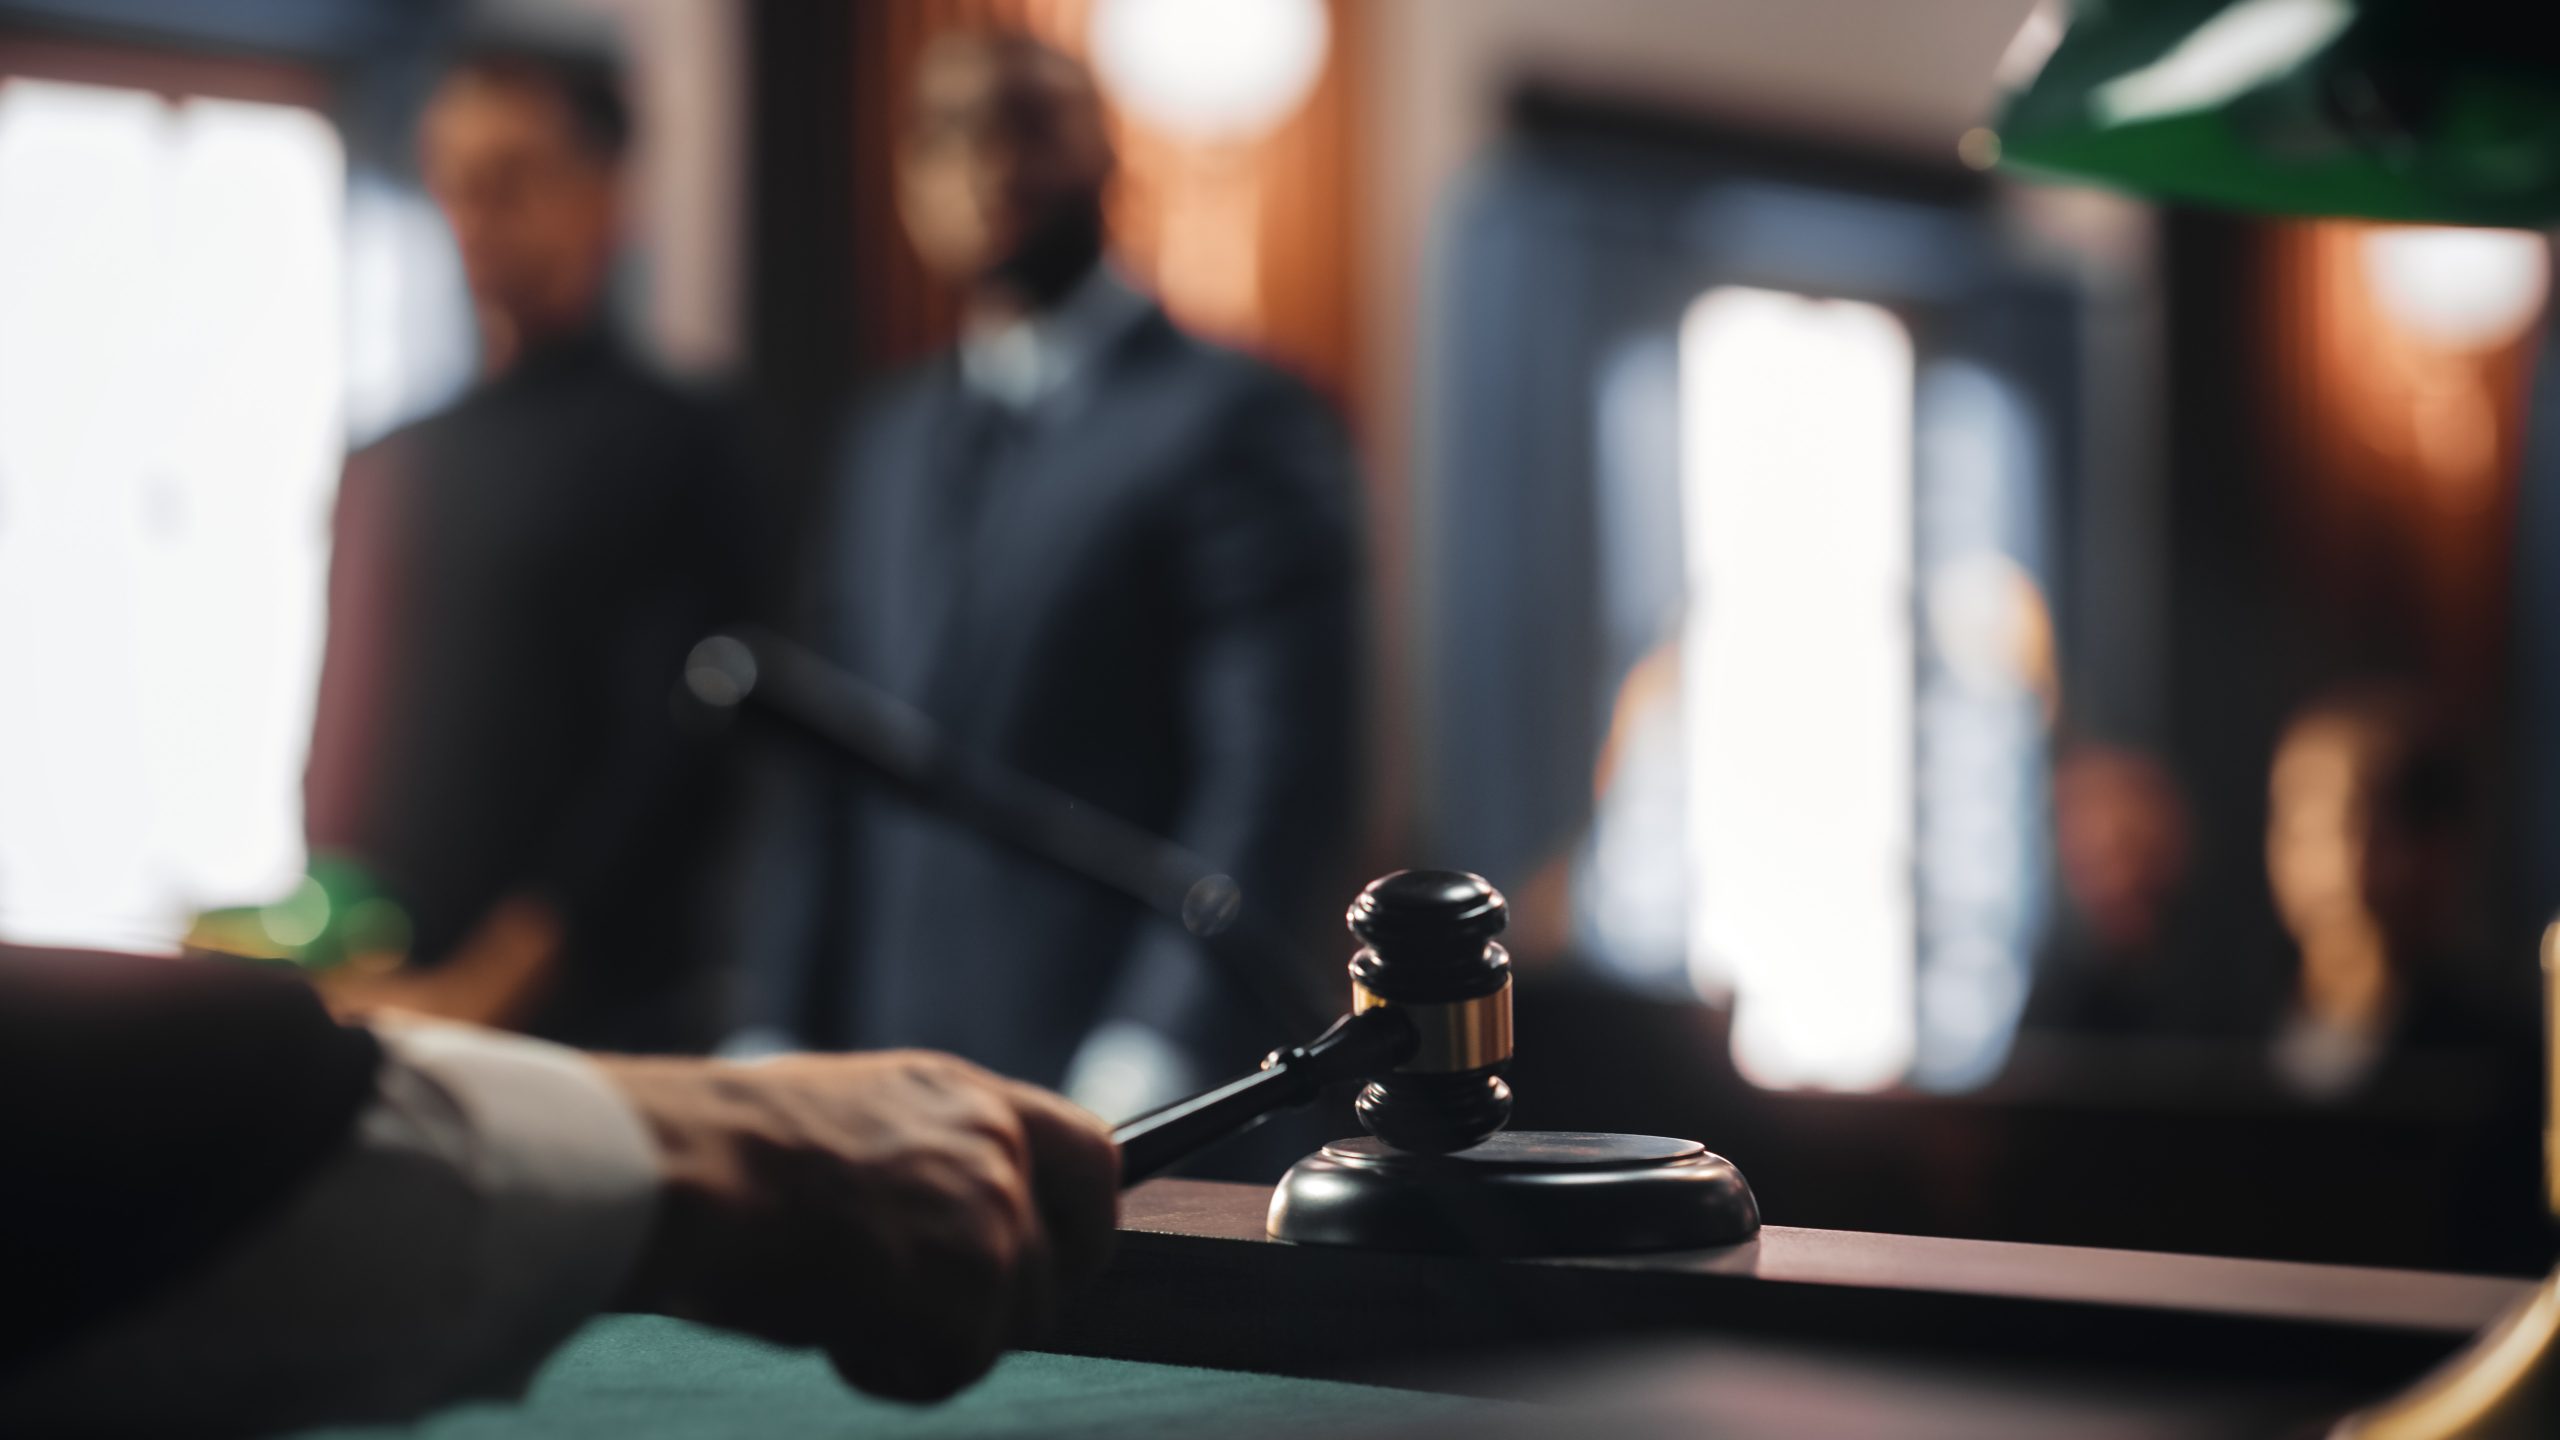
1197 1282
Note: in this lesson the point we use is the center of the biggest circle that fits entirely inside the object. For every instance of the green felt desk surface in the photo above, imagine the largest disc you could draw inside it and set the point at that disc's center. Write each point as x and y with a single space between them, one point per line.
643 1378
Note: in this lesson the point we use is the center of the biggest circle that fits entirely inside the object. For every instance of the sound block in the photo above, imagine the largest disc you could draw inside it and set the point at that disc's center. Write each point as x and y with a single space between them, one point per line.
1553 1192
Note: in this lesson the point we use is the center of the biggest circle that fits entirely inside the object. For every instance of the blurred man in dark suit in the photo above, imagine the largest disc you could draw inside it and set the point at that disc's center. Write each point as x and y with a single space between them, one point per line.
1101 551
515 583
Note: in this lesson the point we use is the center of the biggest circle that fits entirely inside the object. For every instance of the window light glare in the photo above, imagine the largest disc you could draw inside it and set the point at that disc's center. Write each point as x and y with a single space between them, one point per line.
1797 679
169 436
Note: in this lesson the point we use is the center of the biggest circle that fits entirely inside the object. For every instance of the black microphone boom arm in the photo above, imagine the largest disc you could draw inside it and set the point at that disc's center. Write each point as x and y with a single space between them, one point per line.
889 742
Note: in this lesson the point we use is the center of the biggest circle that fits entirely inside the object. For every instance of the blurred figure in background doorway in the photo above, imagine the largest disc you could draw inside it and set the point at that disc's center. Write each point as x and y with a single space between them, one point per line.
2121 835
514 586
2370 844
1107 554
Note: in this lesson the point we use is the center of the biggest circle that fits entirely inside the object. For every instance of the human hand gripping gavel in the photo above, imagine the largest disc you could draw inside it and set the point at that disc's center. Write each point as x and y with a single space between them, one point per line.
976 1201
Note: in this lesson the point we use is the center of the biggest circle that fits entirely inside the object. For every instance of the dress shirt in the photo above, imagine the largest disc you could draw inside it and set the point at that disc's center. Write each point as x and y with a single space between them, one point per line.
496 1192
1024 363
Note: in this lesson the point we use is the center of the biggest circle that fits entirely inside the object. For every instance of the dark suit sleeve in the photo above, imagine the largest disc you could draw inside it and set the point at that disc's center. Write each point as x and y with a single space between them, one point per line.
1269 572
151 1109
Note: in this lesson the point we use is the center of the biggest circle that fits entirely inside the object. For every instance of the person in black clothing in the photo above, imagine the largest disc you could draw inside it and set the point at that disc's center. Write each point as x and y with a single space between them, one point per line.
1106 554
515 584
2121 841
2371 858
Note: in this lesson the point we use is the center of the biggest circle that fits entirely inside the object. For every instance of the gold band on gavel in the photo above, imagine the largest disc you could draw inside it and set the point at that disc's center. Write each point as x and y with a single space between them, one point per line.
1456 1034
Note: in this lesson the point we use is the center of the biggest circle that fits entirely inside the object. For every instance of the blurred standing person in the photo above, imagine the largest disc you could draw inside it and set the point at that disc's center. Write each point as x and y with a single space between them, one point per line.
2121 838
515 582
2369 854
1105 553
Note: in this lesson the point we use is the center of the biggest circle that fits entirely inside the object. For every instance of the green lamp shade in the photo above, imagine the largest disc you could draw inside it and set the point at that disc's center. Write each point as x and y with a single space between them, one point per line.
2438 111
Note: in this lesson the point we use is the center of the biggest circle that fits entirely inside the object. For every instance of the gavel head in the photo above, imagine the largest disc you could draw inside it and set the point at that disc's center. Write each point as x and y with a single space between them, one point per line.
1427 950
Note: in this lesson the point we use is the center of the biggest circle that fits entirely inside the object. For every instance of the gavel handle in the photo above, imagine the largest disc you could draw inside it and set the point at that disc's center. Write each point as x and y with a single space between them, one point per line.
1372 1042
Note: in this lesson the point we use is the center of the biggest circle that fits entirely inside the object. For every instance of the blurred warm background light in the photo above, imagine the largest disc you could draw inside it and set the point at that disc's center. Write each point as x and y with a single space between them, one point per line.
2398 374
2466 289
1210 70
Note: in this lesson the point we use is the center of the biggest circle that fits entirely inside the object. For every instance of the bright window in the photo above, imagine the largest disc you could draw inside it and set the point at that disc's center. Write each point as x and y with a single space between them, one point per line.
1797 680
170 380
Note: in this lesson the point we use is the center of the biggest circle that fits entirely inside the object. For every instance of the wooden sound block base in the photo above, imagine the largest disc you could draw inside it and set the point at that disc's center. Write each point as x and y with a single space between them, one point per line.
1519 1193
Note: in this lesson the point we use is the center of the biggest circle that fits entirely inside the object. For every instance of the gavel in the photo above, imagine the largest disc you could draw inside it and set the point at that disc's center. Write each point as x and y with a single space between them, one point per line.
1429 1030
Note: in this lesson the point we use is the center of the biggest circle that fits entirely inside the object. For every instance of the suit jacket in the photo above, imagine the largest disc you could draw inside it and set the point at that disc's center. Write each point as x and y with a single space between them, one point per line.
515 583
1143 592
153 1109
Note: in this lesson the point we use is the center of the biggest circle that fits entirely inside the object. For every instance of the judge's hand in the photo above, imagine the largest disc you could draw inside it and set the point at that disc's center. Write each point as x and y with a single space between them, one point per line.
907 1212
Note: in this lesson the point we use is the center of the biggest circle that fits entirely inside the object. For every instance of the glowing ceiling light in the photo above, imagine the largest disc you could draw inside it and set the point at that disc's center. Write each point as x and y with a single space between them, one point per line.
1210 69
2468 289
